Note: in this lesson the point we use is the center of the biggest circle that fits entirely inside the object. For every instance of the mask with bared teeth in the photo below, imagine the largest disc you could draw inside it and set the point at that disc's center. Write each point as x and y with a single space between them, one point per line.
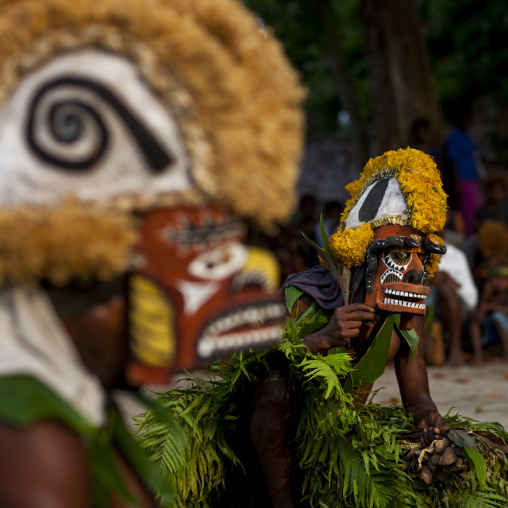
215 296
126 176
388 225
396 270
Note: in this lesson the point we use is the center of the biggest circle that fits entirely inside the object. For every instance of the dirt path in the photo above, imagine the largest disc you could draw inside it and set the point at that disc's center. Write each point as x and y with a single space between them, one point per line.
476 392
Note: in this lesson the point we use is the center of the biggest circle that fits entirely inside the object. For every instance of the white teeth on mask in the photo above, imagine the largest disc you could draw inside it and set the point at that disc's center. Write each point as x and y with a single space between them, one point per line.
229 342
205 349
249 316
211 345
389 291
402 303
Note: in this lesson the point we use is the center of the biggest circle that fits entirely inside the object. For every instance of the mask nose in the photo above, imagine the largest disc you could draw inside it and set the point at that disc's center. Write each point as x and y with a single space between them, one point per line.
413 277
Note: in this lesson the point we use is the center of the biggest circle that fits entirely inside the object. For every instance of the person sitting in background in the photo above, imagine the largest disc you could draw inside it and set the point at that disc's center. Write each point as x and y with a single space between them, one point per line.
492 314
495 205
494 208
457 296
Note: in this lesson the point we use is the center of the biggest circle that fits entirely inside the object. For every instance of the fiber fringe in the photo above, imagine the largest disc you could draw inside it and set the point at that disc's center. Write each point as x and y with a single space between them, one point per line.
65 243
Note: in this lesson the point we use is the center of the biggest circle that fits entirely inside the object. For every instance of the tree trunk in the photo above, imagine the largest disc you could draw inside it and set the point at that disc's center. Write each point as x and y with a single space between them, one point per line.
337 63
400 73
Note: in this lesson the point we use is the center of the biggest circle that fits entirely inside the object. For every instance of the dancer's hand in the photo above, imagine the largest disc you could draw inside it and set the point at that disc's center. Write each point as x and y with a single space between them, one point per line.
433 425
344 325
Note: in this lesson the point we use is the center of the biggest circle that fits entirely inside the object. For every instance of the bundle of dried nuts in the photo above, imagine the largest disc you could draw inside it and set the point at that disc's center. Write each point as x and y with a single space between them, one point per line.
446 456
436 462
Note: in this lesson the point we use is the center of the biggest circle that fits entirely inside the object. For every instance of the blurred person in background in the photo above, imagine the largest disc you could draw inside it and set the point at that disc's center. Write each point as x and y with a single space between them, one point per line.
331 220
490 323
454 232
495 205
420 139
454 290
304 221
494 208
462 175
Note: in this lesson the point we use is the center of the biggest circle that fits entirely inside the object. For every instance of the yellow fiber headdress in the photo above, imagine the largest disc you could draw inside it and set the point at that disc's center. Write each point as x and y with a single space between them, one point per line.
399 187
214 92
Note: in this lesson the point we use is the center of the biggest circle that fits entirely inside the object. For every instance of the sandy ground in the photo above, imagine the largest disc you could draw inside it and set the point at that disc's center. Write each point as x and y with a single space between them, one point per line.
476 392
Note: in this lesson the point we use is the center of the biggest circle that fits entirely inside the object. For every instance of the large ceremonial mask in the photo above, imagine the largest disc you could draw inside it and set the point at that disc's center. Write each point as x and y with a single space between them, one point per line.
388 224
135 137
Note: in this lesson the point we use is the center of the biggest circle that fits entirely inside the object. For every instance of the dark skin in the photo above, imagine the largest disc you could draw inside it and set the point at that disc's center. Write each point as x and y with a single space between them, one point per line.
349 326
449 301
47 458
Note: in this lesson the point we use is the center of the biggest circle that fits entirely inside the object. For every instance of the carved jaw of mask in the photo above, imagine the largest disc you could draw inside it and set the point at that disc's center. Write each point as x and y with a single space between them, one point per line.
197 293
396 271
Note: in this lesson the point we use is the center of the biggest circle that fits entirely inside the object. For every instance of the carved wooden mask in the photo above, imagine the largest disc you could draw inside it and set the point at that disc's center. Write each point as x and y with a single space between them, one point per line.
396 272
198 292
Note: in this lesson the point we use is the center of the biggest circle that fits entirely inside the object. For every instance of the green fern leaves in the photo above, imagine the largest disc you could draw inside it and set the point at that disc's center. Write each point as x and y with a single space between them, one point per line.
349 454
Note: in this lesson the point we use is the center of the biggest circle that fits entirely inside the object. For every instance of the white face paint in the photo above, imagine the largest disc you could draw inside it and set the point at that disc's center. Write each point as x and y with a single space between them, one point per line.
195 294
220 263
392 202
213 267
86 124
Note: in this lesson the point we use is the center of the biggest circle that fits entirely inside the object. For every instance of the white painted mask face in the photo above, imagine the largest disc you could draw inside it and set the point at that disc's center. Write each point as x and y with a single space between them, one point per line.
381 202
87 125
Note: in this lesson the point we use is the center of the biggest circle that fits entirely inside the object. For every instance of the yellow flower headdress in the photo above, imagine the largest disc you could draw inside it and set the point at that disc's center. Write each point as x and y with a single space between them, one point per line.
399 187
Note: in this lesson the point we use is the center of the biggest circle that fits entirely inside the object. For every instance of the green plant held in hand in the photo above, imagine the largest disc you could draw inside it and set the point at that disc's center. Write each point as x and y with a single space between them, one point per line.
341 273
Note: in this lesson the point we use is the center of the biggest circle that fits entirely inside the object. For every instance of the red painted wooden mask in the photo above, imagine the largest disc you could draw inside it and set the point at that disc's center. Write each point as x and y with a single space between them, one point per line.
198 292
396 271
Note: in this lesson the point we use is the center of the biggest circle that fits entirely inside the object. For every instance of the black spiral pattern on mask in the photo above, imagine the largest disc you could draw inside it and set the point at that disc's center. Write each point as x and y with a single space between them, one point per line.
69 120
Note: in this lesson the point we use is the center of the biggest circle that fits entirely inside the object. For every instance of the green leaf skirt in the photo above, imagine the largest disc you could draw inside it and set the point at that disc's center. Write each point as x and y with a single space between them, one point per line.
346 454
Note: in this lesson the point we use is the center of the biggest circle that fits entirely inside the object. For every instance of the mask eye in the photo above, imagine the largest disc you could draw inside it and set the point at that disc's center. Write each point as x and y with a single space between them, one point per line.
424 257
75 131
219 263
400 257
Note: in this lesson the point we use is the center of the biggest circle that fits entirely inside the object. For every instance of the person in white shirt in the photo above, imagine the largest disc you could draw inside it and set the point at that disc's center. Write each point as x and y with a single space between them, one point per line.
457 296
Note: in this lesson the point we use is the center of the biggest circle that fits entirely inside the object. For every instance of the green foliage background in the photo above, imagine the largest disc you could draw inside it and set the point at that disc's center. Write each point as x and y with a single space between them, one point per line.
466 38
296 24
